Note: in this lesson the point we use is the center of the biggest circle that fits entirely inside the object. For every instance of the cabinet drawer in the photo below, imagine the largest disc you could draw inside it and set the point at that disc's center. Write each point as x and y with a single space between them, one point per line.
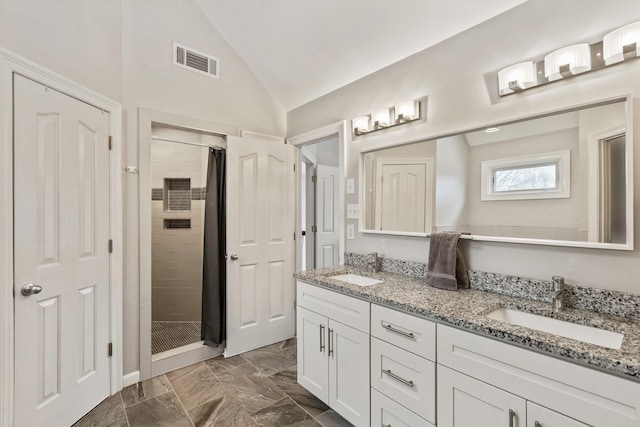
590 396
404 330
347 310
406 378
386 412
547 418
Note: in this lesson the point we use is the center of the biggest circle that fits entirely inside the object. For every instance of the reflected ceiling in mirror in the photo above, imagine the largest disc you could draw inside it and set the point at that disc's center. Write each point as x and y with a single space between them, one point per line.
558 179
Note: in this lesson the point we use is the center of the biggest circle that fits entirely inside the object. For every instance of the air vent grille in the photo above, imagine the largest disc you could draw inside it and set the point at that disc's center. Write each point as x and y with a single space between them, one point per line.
193 60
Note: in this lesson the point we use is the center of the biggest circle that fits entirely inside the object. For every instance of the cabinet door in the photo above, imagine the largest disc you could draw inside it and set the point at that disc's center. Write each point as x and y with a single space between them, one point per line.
313 368
467 402
348 351
539 416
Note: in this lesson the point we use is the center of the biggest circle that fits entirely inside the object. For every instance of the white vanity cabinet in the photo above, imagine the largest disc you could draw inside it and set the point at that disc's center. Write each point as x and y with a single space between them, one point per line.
403 369
485 382
333 350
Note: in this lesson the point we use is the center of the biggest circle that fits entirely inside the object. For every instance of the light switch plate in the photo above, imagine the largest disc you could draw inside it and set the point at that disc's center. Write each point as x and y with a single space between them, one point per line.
351 232
350 186
353 211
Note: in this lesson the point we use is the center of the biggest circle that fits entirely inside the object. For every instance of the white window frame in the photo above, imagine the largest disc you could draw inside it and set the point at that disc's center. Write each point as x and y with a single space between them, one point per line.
562 160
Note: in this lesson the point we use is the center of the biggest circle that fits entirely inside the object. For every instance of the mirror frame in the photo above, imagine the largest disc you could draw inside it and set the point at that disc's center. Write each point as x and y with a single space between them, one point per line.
629 179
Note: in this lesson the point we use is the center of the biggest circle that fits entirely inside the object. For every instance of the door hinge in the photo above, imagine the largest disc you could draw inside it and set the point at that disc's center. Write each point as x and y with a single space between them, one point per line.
110 142
110 246
294 236
294 167
314 229
110 349
314 178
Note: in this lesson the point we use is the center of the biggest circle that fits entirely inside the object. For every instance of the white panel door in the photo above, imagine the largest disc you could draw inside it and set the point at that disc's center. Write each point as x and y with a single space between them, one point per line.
313 365
405 197
327 217
260 230
348 351
61 245
466 402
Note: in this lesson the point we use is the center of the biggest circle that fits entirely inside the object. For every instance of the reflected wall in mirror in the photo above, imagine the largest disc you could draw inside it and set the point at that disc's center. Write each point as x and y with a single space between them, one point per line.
562 179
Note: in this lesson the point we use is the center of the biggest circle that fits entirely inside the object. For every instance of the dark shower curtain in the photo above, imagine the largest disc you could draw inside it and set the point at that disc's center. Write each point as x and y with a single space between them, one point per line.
214 272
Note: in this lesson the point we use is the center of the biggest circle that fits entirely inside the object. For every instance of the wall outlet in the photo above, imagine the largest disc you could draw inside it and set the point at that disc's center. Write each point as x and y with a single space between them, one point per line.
351 187
353 211
351 233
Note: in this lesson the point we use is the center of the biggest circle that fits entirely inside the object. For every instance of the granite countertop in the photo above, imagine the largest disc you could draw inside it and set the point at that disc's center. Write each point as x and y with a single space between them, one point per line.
467 308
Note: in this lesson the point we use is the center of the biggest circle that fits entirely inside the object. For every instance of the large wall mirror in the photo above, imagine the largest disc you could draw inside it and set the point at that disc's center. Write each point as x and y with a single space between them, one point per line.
561 179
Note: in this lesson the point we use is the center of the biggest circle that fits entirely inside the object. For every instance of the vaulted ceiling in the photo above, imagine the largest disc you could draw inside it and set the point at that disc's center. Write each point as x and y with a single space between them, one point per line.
303 49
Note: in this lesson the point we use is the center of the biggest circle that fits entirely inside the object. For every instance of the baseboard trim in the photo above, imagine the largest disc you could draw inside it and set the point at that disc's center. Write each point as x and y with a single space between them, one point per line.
130 378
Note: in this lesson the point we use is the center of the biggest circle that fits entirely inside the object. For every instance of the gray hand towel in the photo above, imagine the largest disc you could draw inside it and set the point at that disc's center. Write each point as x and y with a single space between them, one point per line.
446 268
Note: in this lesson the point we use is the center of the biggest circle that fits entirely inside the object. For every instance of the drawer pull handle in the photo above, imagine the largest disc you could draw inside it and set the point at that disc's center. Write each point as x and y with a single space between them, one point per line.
321 338
512 417
398 331
538 424
386 425
330 342
397 378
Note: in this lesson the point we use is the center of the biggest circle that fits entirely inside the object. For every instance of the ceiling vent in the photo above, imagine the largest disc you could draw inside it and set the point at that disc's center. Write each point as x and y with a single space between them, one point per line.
193 60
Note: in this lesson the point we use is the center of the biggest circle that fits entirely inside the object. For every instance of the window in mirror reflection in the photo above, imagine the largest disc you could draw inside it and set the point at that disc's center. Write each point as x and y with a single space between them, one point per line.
526 178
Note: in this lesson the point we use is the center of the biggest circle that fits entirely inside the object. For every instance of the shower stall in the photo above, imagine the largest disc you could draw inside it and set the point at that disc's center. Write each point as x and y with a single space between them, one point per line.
179 166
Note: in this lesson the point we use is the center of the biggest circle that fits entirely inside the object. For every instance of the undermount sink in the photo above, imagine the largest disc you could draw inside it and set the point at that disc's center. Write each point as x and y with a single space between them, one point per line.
574 331
356 279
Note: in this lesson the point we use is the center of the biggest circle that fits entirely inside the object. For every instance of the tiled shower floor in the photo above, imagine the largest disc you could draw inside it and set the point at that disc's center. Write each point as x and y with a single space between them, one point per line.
257 388
167 335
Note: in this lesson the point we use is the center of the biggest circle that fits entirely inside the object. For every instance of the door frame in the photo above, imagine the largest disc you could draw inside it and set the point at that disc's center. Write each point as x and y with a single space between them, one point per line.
146 118
344 138
11 63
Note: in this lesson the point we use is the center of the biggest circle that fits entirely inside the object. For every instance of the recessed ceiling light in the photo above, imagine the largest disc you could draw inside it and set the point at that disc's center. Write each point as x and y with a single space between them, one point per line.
492 129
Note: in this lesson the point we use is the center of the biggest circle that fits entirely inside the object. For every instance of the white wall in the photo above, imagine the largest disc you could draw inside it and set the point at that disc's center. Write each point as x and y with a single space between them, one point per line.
80 40
459 76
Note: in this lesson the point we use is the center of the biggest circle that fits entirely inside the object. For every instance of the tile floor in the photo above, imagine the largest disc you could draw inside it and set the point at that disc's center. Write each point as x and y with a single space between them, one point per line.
257 388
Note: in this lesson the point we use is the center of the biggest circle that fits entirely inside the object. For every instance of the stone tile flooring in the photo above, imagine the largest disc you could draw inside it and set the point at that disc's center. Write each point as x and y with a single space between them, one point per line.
257 388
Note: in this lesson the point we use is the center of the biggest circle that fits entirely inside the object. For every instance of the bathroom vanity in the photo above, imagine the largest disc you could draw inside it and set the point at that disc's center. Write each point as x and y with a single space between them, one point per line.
400 353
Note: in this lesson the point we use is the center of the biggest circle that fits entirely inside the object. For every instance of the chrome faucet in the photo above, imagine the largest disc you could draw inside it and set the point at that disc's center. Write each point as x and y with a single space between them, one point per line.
373 264
558 294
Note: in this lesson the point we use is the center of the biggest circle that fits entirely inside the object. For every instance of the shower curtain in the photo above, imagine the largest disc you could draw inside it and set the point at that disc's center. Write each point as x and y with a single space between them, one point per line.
214 272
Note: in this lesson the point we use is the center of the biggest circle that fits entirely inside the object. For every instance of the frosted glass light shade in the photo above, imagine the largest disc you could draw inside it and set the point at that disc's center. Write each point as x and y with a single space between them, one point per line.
360 125
577 57
523 74
614 42
406 110
381 118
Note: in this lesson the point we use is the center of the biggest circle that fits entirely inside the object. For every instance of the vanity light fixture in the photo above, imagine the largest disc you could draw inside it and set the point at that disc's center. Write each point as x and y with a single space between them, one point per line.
617 46
516 77
568 61
622 44
403 112
361 125
381 118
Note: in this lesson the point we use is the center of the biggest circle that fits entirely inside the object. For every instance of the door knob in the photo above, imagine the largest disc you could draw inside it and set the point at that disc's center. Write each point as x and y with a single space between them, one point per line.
234 257
30 289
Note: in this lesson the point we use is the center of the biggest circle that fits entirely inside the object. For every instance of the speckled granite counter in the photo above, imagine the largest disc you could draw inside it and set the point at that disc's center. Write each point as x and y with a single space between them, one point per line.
467 309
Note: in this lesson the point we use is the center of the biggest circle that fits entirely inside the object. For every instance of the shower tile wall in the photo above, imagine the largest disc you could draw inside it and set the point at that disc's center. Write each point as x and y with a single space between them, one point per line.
178 179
